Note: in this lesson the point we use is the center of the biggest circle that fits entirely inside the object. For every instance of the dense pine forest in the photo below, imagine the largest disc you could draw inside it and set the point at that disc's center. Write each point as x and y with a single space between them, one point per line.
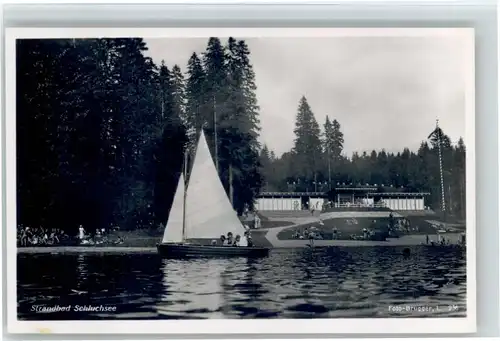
102 130
317 163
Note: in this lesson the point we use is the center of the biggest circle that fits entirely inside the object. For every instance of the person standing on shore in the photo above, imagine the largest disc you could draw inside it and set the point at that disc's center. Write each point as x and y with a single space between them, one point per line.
81 232
256 221
335 232
24 236
311 238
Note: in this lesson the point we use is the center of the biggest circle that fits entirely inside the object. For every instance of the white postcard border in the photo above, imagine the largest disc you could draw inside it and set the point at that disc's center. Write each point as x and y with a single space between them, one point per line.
273 326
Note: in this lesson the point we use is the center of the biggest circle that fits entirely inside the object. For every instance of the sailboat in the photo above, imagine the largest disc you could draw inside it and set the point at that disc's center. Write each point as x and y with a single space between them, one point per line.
201 210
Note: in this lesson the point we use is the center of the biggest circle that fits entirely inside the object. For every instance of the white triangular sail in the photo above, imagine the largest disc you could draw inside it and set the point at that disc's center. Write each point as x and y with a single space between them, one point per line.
209 213
173 230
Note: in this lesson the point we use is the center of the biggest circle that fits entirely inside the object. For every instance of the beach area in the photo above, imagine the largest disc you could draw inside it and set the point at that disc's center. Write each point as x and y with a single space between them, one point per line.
267 236
409 240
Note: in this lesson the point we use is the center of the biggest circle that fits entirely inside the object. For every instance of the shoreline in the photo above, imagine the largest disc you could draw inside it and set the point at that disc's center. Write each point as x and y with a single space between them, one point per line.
84 249
139 242
409 240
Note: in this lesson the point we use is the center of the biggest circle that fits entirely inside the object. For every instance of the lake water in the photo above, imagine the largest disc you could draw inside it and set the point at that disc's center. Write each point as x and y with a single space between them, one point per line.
329 283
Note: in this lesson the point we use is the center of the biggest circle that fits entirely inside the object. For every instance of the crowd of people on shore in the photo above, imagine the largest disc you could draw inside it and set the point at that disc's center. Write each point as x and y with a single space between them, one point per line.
38 236
375 231
252 219
98 237
310 233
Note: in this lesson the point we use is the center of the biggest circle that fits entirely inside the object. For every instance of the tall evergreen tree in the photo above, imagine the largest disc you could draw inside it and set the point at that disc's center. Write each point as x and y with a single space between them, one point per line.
307 146
214 61
196 115
102 96
438 136
38 120
248 89
333 144
134 130
266 166
170 141
239 132
179 93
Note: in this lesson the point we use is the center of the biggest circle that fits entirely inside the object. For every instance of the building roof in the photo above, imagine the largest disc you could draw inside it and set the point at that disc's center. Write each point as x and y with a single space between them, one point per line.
357 189
323 194
389 191
291 194
400 194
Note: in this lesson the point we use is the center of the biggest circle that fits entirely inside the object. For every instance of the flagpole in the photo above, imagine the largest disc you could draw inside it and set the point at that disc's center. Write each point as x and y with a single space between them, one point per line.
185 195
443 200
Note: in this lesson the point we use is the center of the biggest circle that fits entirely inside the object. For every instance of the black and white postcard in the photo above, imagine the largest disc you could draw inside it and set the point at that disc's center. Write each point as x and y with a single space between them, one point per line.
288 180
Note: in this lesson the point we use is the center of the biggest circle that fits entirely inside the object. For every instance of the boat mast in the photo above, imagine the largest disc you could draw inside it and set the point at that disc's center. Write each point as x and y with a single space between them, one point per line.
185 194
215 136
231 190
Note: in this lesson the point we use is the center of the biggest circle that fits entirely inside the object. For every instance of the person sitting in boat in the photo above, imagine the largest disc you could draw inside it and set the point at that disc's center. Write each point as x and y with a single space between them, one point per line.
222 239
248 238
230 238
237 240
214 242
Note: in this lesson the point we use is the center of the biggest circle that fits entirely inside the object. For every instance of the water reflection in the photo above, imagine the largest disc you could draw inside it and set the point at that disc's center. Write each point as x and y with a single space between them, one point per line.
192 288
81 275
334 282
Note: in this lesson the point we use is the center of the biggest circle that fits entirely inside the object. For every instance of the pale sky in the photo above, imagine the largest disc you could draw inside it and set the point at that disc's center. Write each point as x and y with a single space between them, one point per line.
386 92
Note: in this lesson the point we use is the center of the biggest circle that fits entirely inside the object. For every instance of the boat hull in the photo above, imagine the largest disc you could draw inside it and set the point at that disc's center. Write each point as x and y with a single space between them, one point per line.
168 250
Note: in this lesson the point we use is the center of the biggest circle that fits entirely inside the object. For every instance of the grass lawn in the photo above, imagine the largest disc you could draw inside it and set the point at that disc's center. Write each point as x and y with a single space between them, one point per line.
421 221
349 226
